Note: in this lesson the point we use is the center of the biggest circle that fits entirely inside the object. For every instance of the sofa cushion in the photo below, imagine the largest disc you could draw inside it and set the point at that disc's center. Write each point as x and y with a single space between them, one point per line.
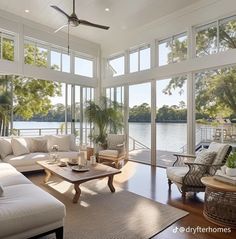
63 142
1 190
176 174
10 176
26 206
38 145
109 153
5 147
19 146
26 160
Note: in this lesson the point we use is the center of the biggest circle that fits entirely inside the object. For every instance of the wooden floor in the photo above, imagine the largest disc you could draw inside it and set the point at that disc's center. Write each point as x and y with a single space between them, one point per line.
151 182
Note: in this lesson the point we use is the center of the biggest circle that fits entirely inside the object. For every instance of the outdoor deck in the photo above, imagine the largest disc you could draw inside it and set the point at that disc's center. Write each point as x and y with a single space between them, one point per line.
164 158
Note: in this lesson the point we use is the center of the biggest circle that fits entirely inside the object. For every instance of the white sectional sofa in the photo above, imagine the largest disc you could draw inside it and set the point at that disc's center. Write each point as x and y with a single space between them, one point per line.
27 211
23 152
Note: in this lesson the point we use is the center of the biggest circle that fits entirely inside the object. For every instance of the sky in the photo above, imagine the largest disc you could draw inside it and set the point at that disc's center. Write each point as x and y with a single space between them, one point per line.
141 93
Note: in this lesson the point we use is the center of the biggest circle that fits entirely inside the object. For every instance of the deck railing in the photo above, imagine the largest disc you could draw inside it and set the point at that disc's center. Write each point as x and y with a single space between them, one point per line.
205 134
134 144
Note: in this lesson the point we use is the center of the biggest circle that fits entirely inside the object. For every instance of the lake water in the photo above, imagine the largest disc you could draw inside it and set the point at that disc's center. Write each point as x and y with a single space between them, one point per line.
170 136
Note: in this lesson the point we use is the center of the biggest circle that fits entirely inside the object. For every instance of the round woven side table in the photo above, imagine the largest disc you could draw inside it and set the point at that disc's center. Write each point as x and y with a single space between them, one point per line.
220 202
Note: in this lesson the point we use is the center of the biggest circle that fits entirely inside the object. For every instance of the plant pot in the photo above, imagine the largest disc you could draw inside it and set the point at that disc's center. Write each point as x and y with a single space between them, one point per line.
231 172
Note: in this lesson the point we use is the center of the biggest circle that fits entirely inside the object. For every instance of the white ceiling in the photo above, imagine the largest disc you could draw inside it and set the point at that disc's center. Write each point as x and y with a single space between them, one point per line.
124 15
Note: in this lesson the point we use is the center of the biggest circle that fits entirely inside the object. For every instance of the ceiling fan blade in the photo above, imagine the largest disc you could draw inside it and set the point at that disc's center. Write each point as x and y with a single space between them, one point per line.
61 11
60 28
83 22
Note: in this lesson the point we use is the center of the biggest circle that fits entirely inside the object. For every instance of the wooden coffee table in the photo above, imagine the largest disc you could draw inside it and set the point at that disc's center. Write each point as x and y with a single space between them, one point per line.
96 171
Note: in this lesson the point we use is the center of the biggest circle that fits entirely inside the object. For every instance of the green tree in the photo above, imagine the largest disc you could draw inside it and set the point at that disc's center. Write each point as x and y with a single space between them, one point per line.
106 116
141 113
30 96
215 90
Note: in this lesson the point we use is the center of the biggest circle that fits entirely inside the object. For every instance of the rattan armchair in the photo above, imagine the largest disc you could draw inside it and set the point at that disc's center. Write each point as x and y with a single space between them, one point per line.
187 174
115 150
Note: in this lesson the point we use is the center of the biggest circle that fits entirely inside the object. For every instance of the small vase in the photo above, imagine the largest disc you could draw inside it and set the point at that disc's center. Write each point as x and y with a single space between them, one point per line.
231 172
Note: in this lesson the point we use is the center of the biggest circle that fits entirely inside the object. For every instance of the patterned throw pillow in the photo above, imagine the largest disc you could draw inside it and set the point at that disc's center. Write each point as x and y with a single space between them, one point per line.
39 145
205 157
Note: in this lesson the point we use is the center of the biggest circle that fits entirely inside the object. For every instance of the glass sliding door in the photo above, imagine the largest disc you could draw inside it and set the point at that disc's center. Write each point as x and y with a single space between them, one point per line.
5 105
77 112
171 130
140 123
69 109
86 127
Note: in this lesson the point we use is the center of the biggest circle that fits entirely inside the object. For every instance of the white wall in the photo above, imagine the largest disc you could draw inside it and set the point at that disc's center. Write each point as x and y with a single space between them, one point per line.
23 27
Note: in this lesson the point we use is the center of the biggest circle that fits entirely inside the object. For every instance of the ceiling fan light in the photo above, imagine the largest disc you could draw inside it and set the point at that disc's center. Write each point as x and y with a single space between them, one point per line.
107 9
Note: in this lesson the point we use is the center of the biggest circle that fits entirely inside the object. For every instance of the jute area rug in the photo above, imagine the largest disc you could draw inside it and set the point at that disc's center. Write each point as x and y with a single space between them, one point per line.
101 214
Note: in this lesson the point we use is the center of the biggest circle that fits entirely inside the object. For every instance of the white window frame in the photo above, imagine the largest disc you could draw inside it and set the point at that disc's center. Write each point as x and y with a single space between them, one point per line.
171 39
88 58
138 49
117 56
7 35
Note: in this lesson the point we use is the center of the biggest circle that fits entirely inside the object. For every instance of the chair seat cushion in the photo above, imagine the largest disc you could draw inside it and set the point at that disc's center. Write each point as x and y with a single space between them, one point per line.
25 206
26 160
109 153
176 174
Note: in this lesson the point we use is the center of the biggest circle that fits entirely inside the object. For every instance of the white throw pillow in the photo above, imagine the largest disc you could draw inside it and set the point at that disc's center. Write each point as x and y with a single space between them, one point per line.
5 147
1 190
63 142
19 146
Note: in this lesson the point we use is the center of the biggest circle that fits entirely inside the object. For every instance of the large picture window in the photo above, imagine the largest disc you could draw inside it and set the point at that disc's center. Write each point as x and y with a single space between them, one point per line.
83 67
7 44
55 60
117 65
206 40
227 33
139 59
216 36
173 49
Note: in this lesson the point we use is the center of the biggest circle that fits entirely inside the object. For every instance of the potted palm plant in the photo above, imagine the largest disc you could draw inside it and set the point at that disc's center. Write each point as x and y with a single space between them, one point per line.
106 116
231 165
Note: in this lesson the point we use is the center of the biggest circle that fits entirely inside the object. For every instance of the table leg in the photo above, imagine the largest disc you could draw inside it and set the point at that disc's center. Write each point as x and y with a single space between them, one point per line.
48 175
77 193
110 184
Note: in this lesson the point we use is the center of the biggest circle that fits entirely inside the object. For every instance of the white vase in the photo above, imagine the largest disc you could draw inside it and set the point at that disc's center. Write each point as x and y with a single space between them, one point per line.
231 172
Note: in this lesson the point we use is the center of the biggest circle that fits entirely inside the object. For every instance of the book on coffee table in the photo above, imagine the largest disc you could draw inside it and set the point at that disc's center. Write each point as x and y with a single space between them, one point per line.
220 176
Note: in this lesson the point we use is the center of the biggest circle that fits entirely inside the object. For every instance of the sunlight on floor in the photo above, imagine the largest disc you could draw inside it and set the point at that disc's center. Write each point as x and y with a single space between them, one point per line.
128 171
61 187
84 204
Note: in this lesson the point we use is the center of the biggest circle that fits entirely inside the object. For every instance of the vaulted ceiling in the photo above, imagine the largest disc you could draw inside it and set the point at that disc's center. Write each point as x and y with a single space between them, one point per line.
123 15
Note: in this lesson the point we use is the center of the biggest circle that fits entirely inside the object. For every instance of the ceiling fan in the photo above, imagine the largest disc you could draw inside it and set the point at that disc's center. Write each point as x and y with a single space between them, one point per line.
74 21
